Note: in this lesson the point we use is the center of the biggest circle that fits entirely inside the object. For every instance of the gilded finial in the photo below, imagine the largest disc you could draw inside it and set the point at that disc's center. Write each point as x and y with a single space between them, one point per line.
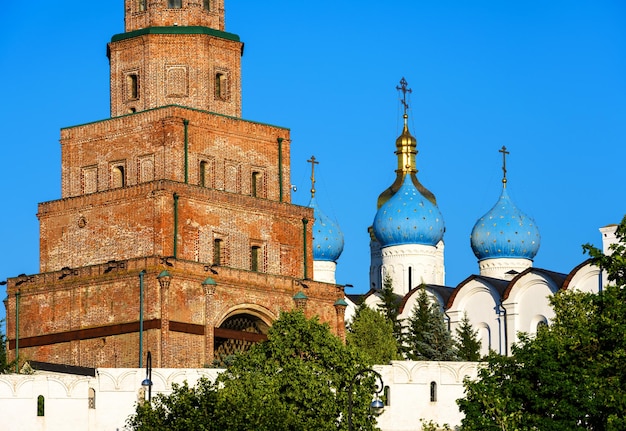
403 87
313 163
504 153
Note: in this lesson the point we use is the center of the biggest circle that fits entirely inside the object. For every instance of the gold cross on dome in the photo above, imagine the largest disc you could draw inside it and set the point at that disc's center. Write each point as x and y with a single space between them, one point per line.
403 87
504 153
313 163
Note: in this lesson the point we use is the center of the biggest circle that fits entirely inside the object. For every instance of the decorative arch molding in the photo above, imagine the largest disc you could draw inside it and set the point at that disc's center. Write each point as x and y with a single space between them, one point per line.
262 313
531 277
464 295
584 278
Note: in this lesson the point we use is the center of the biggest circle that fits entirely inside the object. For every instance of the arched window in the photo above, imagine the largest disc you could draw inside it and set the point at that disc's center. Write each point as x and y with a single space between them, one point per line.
141 5
206 4
433 392
174 4
41 406
117 176
92 398
541 325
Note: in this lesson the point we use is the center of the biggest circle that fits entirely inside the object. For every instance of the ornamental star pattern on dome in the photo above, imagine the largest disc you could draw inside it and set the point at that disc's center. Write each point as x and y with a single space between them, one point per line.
408 218
505 231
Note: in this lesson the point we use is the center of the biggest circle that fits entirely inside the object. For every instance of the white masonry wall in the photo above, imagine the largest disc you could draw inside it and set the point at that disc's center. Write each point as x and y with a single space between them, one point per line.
117 390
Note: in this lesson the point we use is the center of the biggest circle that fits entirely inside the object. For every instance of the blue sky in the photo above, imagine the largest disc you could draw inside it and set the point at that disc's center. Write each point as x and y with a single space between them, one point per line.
546 79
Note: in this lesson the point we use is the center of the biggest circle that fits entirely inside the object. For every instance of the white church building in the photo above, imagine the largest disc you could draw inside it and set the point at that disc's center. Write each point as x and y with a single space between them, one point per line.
507 297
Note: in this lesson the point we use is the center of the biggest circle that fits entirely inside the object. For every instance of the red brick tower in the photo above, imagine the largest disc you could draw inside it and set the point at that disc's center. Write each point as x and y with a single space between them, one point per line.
175 232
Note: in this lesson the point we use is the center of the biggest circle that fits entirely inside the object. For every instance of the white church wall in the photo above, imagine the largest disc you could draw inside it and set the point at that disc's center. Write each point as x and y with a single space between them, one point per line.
117 390
481 303
410 400
411 265
528 303
66 397
586 278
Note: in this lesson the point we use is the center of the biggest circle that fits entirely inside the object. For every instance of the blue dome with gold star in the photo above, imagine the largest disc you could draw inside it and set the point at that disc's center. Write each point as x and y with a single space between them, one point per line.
408 217
327 238
505 232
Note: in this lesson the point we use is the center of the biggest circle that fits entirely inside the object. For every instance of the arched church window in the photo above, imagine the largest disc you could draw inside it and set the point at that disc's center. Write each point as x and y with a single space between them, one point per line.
41 406
174 4
92 398
433 392
117 177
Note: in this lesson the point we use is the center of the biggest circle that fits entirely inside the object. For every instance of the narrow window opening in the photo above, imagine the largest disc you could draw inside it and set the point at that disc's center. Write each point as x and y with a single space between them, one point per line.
41 406
387 396
174 4
203 173
433 392
220 86
410 278
254 258
92 398
217 251
133 85
254 188
206 4
141 5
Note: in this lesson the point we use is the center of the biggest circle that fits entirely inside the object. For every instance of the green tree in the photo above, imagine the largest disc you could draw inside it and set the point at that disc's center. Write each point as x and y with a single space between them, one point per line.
390 308
372 334
185 409
572 374
466 341
297 380
428 339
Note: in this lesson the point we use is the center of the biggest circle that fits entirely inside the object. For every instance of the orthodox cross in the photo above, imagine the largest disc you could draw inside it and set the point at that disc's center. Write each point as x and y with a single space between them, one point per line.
405 90
504 153
313 163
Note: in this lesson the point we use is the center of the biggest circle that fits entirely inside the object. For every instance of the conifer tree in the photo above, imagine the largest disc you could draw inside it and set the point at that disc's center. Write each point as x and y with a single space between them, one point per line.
390 308
467 342
428 338
372 333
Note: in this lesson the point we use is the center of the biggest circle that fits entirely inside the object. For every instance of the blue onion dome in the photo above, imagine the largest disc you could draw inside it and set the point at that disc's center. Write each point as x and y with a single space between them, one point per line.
408 217
505 232
327 238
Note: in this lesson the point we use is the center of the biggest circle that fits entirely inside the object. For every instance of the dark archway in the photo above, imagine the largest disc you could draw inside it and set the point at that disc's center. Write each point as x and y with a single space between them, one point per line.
236 334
